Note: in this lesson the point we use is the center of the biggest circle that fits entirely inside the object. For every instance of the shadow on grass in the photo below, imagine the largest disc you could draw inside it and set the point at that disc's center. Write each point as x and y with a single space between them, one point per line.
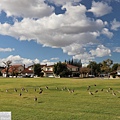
40 102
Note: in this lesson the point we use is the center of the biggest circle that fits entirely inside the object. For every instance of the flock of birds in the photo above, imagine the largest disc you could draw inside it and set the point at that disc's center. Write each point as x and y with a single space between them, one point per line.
106 90
38 90
89 89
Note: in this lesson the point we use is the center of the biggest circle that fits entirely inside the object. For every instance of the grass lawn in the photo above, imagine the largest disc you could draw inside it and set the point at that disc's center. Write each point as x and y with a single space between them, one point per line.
62 103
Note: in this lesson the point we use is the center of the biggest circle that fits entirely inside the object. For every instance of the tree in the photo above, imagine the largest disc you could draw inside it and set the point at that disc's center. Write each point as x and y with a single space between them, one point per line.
115 66
106 66
14 71
84 71
74 62
37 69
7 66
94 68
61 69
109 62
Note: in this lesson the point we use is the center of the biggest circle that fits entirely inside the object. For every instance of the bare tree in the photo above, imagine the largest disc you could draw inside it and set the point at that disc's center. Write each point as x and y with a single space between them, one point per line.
7 66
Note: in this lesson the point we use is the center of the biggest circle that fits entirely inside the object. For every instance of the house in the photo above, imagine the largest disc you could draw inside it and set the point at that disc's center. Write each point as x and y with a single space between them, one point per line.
118 72
74 69
28 72
113 74
47 70
1 68
14 70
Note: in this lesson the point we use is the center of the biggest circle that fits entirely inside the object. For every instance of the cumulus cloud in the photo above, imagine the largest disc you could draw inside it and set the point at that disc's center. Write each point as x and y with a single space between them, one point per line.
26 8
100 8
57 30
116 49
74 49
70 31
115 25
6 49
109 1
101 51
85 57
52 61
18 60
106 32
63 2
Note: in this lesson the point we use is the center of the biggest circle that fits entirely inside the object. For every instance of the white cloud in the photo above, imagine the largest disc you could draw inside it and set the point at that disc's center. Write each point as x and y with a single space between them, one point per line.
116 49
85 57
115 25
26 8
48 62
74 49
54 59
100 8
6 49
109 1
18 60
70 31
106 32
63 2
101 51
57 30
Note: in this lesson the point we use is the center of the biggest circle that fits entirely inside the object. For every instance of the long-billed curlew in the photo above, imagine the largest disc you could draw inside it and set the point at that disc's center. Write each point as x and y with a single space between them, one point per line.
90 93
35 98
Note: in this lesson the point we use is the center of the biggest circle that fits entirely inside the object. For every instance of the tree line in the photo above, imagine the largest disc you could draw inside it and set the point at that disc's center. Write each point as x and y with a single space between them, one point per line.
105 67
60 68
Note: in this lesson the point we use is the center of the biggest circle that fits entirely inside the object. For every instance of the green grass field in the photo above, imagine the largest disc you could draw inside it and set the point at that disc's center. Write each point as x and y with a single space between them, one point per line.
61 103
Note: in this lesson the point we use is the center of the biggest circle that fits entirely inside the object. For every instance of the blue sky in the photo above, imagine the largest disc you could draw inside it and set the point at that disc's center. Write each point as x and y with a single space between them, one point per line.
48 31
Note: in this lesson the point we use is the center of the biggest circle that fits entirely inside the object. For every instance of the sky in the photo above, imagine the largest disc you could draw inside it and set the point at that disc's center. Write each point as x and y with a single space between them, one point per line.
49 31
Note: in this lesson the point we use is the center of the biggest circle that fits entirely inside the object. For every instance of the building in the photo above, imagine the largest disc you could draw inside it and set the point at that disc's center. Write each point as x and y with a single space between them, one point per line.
47 70
74 69
116 73
14 70
28 72
1 68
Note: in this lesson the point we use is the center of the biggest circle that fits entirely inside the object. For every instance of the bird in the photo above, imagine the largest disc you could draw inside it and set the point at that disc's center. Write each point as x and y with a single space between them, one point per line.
56 88
40 91
96 91
88 88
102 89
113 93
110 88
62 89
26 90
22 89
90 93
46 87
35 98
15 90
68 90
6 90
72 91
20 94
40 88
107 91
